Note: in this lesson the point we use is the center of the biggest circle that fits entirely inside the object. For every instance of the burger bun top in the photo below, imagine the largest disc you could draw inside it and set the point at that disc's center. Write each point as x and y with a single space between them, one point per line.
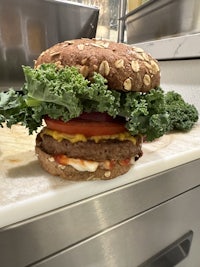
126 68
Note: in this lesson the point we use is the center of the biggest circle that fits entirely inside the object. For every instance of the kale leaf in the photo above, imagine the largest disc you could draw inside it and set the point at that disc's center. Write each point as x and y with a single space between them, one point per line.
63 93
145 113
182 115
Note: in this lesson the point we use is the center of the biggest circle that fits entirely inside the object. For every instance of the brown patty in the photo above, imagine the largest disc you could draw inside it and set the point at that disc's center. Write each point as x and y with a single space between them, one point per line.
104 150
125 67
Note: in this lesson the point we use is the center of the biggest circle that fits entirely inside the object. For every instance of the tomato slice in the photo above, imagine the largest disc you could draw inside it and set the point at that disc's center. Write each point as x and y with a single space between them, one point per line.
98 116
86 127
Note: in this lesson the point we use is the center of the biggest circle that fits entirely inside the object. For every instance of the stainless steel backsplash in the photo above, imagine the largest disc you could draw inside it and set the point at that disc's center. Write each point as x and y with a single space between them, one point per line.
27 27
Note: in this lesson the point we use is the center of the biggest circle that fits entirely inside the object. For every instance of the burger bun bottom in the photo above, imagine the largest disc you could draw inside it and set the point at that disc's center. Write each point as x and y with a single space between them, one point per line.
69 173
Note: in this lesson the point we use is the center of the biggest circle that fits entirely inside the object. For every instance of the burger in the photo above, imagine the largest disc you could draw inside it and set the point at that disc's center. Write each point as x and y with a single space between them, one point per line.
93 101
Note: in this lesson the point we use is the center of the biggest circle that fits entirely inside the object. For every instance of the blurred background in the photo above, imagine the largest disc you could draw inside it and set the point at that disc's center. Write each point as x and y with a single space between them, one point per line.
27 27
109 13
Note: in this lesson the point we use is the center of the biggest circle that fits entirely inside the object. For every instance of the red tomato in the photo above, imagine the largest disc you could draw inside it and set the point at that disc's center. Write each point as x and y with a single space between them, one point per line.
61 159
96 116
86 127
125 162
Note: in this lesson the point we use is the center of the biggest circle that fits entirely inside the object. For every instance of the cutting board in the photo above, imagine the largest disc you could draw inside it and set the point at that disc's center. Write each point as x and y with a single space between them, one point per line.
27 190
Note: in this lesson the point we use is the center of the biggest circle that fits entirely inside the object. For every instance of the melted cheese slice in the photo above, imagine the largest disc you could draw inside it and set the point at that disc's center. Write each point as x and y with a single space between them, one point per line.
59 136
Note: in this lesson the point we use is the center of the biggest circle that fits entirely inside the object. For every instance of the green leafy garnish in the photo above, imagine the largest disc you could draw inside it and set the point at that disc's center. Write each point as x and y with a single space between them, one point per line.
65 94
182 115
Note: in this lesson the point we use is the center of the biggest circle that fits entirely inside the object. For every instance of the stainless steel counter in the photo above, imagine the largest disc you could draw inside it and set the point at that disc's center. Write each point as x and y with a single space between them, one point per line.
28 191
123 226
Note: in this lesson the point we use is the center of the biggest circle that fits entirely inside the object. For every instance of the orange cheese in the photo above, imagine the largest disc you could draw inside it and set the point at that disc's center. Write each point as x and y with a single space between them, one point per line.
59 136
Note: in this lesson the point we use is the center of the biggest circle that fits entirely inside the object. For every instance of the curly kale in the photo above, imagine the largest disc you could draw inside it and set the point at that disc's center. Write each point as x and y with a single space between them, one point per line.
145 113
65 93
182 115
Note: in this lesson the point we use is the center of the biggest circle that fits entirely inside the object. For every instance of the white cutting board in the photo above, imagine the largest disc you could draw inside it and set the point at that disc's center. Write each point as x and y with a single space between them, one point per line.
26 190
